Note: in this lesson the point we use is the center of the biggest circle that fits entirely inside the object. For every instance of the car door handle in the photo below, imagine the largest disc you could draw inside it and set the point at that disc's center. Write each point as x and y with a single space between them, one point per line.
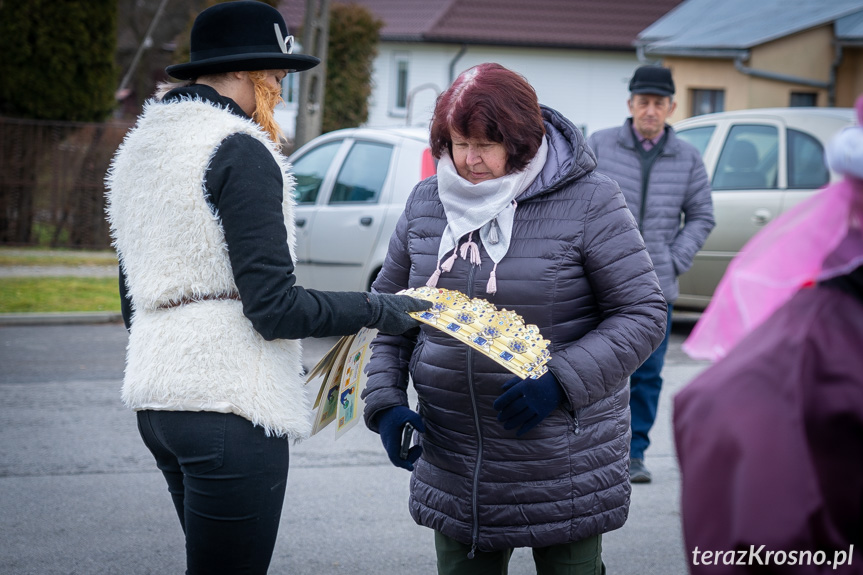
366 221
300 222
761 217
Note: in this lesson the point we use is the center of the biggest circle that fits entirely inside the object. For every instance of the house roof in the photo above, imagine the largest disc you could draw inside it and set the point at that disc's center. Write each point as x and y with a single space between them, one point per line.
589 24
850 28
736 25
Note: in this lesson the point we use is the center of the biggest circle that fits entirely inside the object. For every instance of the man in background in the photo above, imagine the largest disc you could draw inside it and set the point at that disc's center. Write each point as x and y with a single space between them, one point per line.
663 179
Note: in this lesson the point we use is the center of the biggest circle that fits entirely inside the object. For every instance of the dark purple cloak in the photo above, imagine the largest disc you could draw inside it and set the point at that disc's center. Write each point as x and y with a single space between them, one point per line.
770 443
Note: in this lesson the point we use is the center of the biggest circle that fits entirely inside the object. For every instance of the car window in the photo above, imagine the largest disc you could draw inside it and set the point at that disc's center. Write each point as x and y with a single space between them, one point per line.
806 168
698 137
749 159
363 173
310 169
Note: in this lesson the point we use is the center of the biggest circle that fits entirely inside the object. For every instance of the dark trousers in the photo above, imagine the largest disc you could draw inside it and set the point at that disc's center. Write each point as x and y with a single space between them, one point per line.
227 479
644 387
578 558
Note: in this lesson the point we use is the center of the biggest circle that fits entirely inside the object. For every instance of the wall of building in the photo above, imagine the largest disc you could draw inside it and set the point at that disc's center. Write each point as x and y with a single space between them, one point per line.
705 74
849 78
588 87
809 54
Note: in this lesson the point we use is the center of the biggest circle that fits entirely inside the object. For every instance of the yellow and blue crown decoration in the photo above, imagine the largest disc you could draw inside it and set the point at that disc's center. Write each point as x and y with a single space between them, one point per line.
500 335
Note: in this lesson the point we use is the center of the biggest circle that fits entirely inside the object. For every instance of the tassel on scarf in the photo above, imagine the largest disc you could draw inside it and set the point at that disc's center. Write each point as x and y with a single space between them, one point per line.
442 267
471 247
447 265
491 286
432 282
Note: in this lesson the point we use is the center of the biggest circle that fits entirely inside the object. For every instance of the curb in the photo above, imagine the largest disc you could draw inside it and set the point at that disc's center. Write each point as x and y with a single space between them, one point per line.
60 318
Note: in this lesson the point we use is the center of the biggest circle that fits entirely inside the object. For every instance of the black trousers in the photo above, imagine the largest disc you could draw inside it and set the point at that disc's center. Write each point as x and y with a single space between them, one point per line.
227 480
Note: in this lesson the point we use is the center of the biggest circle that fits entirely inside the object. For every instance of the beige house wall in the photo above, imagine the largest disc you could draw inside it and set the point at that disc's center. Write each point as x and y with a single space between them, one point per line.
705 74
809 54
849 79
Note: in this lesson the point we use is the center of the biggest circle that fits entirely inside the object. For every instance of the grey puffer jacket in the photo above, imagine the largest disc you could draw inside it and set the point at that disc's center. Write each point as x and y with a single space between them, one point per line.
678 185
578 269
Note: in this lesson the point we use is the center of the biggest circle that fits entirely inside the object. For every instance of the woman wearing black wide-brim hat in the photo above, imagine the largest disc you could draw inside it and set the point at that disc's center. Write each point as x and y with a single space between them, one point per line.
201 211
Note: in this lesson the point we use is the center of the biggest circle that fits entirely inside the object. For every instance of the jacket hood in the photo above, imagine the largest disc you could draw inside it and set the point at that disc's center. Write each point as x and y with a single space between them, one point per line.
569 156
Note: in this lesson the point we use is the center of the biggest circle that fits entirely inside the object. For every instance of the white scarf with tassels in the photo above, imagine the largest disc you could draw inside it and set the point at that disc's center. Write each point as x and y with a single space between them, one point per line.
488 206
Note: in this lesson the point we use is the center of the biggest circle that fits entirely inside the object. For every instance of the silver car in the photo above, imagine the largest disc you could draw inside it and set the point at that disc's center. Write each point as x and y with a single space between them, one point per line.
352 186
761 163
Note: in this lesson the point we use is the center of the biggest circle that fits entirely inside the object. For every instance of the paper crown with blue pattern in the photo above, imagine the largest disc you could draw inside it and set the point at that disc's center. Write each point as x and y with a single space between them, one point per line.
500 335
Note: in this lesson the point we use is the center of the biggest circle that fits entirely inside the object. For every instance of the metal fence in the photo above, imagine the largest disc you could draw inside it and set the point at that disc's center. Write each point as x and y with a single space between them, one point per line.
52 189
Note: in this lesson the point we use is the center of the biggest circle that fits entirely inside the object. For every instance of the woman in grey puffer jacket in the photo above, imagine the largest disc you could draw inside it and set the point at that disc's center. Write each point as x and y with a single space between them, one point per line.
504 462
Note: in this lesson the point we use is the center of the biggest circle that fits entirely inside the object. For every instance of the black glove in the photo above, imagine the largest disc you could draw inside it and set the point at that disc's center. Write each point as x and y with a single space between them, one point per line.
526 402
391 421
389 312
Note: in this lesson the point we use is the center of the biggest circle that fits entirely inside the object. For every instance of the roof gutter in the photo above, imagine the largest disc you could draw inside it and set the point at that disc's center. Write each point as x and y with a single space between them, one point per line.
642 55
829 85
787 78
834 72
454 61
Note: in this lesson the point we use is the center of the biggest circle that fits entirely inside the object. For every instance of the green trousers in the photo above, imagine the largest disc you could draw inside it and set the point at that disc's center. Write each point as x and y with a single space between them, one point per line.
579 558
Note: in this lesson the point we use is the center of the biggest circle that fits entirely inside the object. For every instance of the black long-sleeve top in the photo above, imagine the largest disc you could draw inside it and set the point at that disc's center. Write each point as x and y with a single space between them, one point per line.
244 188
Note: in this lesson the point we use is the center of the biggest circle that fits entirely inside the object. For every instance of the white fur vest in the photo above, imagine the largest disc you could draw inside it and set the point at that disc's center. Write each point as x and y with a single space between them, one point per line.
204 355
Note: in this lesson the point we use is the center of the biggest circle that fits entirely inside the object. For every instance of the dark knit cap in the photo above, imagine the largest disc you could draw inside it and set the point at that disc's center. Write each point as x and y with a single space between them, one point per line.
652 80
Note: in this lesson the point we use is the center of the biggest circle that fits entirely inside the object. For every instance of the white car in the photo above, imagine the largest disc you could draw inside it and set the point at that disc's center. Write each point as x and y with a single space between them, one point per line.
761 163
352 186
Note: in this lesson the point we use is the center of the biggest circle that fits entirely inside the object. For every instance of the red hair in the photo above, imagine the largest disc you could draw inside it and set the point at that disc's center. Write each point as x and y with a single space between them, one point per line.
490 102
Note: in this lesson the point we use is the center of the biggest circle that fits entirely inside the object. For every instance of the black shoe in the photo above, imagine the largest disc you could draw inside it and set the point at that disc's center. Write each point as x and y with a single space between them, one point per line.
638 473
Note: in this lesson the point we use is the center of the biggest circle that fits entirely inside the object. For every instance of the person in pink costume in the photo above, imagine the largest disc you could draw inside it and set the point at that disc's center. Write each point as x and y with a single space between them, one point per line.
770 437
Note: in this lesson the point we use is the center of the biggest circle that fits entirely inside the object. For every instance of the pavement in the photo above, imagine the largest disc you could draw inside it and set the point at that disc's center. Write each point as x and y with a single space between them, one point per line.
79 492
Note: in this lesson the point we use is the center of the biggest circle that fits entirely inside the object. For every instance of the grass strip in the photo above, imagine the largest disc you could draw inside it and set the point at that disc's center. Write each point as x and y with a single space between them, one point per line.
58 294
55 258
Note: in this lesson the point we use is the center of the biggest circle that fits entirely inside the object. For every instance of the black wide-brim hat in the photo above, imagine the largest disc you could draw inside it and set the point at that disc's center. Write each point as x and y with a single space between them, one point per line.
238 36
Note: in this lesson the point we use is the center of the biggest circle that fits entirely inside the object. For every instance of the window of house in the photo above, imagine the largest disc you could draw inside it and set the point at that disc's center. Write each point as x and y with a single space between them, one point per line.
707 101
363 173
803 99
749 159
291 82
806 168
291 89
399 96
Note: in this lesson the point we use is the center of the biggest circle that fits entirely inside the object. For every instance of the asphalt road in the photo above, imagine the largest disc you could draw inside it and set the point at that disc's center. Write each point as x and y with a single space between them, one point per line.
79 492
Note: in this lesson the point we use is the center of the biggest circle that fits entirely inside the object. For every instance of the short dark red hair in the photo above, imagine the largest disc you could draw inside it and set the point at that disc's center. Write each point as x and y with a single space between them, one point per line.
492 103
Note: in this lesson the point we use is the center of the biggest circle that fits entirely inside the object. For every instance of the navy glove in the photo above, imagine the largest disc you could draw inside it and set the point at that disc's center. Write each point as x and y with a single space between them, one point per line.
526 402
388 312
391 421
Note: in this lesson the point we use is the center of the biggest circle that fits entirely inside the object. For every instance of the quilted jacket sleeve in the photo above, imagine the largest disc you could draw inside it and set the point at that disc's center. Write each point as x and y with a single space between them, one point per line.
388 373
698 216
629 298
